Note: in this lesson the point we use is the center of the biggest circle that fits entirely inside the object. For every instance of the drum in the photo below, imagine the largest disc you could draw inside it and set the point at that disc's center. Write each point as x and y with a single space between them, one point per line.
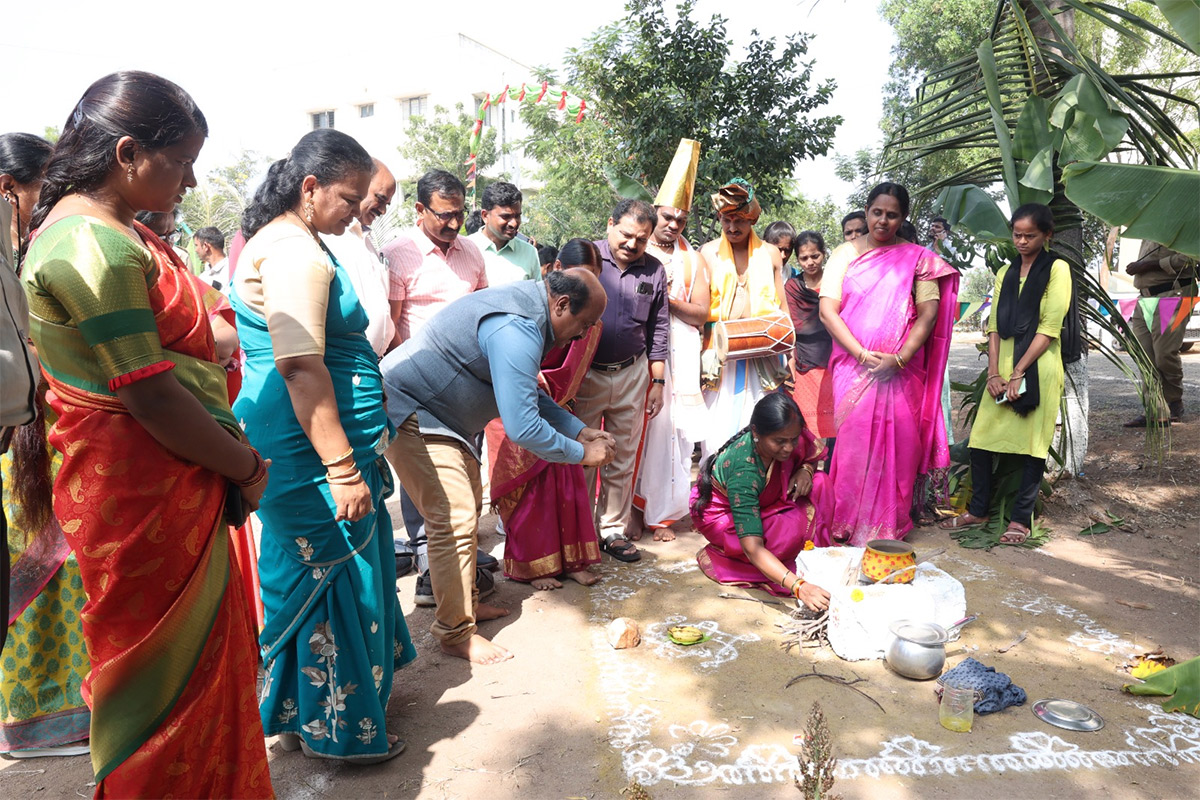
754 337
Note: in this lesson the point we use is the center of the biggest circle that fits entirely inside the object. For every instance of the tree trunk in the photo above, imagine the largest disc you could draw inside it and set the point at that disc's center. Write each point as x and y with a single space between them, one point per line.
1072 441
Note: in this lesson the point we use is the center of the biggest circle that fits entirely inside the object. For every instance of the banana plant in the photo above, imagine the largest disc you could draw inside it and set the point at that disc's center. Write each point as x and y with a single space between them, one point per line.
1039 116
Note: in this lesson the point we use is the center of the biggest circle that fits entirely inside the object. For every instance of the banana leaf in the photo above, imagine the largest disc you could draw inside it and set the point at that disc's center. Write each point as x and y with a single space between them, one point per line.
1184 16
627 186
1155 203
1091 126
971 208
1181 683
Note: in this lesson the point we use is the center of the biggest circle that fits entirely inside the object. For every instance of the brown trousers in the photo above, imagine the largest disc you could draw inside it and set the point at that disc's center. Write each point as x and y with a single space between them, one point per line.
442 477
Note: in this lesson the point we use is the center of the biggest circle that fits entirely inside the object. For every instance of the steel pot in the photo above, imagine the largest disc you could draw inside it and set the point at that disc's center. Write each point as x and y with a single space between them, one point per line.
918 649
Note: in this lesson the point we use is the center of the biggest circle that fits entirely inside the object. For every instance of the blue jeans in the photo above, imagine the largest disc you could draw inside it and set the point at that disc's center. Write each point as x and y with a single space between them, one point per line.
414 526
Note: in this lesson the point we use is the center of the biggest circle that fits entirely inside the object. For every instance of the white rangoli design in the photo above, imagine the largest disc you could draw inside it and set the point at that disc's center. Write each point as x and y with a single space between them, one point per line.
720 649
655 748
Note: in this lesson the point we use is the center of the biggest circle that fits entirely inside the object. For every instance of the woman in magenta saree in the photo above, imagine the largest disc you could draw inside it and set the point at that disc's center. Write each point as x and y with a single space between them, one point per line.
759 501
545 507
889 305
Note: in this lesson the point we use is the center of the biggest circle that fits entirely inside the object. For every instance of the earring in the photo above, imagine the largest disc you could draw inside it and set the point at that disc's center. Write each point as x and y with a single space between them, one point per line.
308 211
129 173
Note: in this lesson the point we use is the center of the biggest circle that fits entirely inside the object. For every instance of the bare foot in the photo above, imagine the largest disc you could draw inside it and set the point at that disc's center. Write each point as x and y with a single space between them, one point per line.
484 612
634 535
664 535
478 650
584 577
545 584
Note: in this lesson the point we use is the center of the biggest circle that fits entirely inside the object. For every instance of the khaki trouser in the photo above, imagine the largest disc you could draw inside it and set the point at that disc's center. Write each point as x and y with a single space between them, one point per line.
442 478
1163 348
618 401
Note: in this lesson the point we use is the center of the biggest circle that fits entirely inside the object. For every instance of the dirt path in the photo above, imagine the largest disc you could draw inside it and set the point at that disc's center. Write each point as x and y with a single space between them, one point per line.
570 717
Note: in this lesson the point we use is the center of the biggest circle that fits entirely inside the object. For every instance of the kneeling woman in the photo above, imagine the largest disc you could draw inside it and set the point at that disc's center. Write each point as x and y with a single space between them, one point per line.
757 500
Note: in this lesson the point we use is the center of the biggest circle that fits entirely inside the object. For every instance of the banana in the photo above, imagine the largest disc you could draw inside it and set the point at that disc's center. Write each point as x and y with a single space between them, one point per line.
685 634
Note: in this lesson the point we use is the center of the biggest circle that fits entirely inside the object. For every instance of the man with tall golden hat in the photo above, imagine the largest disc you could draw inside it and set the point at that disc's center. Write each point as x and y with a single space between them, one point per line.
665 472
745 280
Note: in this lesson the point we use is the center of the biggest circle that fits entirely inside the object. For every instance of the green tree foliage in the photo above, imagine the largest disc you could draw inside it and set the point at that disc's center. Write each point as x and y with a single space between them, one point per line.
222 196
443 141
805 214
576 198
655 78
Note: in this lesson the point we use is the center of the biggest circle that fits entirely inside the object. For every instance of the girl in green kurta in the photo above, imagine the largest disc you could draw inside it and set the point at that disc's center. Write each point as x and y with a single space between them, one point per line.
1025 371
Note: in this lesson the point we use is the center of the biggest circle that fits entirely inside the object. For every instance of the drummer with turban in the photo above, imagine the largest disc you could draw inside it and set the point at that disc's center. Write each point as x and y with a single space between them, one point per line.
746 280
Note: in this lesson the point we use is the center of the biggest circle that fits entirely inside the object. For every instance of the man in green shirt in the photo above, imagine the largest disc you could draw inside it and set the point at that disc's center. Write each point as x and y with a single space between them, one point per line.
507 258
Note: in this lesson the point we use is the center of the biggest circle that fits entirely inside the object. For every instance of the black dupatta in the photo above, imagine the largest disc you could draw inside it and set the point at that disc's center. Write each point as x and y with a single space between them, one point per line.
1017 315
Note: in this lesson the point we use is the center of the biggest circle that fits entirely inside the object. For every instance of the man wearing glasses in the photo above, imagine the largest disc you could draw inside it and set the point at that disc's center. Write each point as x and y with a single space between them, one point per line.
431 265
428 267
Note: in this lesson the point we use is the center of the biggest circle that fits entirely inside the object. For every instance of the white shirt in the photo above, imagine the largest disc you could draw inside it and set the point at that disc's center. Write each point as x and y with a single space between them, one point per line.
217 275
369 276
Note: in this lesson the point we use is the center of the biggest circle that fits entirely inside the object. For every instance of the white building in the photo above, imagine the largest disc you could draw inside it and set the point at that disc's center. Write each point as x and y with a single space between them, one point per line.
446 69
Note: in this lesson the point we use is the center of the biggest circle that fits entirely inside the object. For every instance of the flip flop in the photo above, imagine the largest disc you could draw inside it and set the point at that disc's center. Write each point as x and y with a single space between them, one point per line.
1015 529
964 520
394 750
625 551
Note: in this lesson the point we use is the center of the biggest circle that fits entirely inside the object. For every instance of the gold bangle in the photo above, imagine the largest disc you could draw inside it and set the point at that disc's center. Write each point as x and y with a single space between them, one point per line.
345 480
330 475
334 462
796 586
900 362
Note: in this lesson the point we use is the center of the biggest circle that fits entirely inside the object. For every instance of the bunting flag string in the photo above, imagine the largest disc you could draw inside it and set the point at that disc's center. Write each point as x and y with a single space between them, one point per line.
1172 311
574 106
966 309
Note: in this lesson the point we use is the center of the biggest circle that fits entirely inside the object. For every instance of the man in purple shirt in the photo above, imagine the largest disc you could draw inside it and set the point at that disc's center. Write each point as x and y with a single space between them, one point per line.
624 386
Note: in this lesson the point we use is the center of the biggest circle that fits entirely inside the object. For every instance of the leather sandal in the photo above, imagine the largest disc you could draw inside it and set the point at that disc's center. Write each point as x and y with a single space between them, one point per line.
964 520
1016 530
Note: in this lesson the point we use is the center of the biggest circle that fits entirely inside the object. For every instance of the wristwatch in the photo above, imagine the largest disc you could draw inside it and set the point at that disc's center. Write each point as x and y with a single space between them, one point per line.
659 381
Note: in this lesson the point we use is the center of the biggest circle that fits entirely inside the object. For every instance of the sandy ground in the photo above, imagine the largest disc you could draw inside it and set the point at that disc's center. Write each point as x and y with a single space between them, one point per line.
570 718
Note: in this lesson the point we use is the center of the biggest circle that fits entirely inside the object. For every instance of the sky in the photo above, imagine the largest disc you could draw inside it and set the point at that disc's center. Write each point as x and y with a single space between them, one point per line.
228 53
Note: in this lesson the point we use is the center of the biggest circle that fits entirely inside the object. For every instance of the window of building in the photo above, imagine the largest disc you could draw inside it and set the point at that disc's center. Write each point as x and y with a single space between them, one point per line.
417 106
322 119
489 116
366 110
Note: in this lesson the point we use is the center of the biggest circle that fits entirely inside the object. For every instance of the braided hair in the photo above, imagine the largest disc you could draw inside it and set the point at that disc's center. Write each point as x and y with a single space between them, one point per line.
774 412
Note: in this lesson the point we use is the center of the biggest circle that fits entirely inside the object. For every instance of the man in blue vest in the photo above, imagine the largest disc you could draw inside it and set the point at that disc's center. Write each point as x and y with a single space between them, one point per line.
475 360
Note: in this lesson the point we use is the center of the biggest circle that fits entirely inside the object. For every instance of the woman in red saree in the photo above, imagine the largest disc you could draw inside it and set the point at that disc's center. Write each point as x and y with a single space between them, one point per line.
150 451
545 509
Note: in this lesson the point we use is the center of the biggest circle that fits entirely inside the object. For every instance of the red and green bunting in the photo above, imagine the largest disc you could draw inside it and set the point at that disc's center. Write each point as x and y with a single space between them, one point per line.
574 106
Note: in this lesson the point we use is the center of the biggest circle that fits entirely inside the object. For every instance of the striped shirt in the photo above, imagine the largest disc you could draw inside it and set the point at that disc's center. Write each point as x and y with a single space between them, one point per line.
424 279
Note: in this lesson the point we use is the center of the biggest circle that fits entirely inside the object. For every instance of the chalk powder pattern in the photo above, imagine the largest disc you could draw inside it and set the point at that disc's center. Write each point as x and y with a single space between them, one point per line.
694 751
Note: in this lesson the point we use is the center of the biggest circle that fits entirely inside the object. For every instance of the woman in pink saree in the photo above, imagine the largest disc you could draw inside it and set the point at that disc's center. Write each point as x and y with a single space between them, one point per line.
545 507
889 306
